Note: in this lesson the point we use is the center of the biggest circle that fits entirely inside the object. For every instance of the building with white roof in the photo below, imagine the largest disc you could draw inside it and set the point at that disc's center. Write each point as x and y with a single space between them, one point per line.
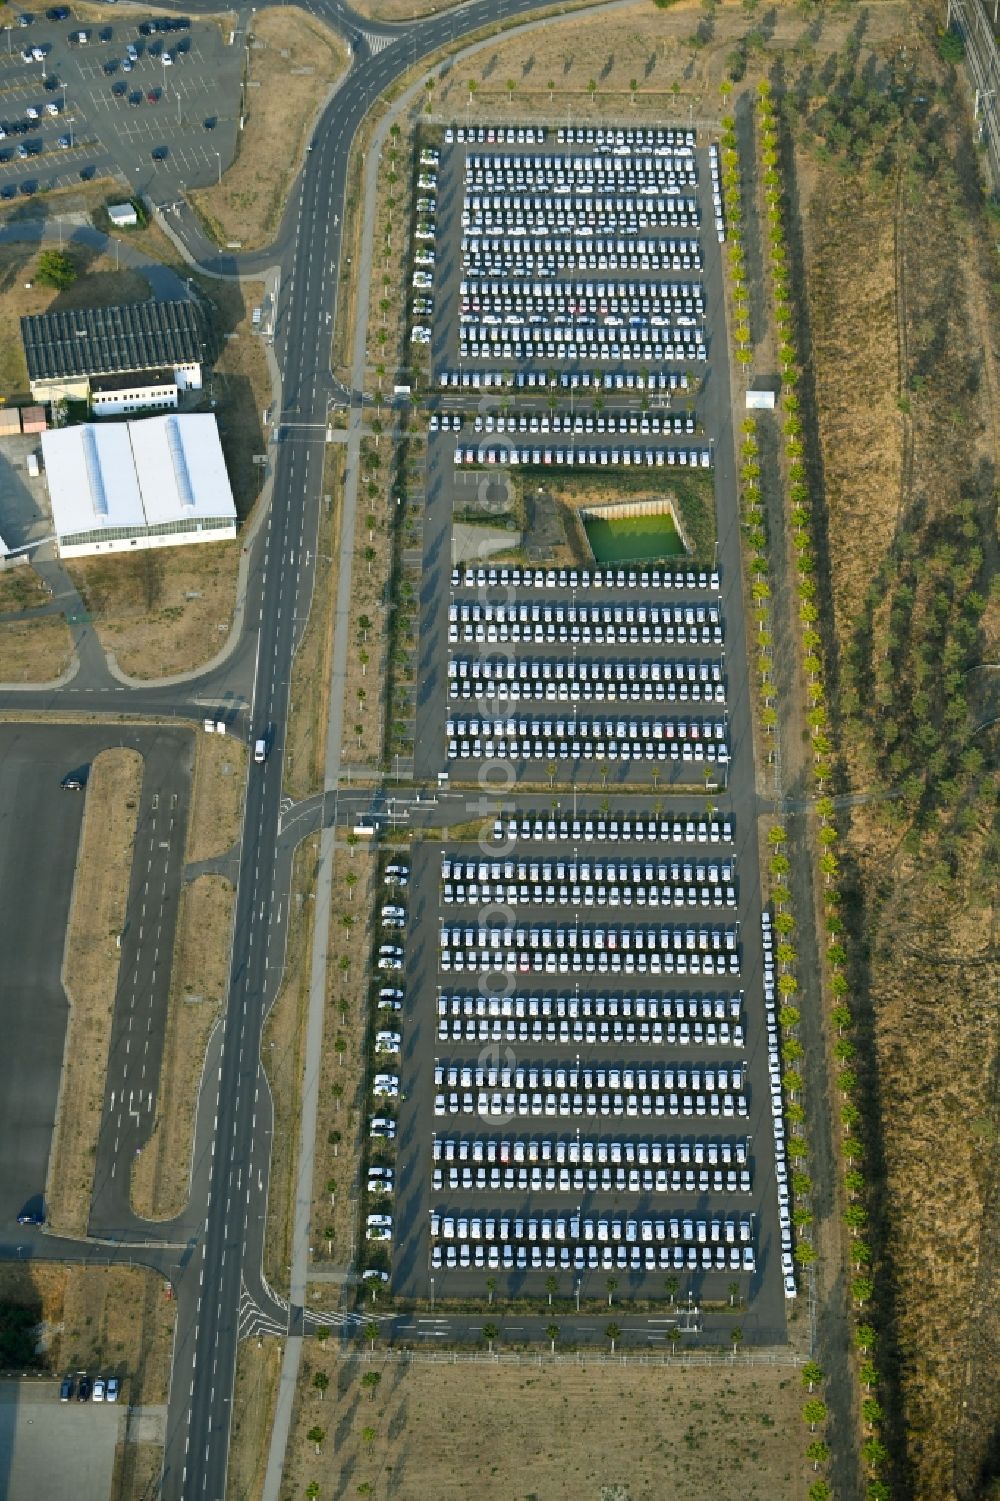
155 482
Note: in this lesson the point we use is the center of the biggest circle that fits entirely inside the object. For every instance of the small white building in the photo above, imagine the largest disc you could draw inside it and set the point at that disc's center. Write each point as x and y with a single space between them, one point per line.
117 395
123 215
156 482
760 401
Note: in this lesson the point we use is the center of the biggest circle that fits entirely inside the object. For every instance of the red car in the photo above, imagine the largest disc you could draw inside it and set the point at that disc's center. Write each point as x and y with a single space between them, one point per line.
153 96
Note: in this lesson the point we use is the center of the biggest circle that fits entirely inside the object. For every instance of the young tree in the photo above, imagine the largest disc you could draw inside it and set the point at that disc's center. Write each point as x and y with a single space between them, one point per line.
371 1332
818 1453
675 1338
491 1287
551 1287
490 1334
614 1334
812 1375
321 1381
736 1335
370 1381
328 1237
316 1435
552 1334
814 1413
312 1490
56 269
612 1287
671 1285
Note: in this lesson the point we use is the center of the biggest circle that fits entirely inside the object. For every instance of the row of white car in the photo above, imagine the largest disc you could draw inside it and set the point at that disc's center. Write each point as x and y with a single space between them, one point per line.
632 1078
711 1230
631 137
600 828
717 204
492 695
632 577
605 214
503 669
594 1033
644 1151
643 1008
549 632
646 1180
638 894
777 1107
475 748
584 175
511 1104
565 380
712 872
577 252
589 729
513 454
579 422
494 962
637 1259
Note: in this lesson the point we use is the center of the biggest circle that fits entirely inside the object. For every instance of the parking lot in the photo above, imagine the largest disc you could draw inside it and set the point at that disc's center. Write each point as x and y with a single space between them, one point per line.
80 101
576 1063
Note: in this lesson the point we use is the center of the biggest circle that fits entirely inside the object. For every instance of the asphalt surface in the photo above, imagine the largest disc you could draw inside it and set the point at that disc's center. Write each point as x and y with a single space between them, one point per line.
115 119
413 1276
221 1293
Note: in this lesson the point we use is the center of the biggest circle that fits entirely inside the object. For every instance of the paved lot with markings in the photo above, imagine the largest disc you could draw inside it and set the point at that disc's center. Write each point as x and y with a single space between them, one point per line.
142 118
579 1072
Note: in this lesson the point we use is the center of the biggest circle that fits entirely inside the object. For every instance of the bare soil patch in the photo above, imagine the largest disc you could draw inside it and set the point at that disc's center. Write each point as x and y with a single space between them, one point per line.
113 1319
161 611
90 975
255 1393
217 797
293 62
199 978
446 1430
98 284
34 651
282 1053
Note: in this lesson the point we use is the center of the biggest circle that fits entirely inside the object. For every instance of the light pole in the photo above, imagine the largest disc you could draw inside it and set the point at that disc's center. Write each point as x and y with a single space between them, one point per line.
218 157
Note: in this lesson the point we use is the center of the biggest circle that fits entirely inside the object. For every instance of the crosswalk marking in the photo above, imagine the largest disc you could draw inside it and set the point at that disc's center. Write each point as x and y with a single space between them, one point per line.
377 43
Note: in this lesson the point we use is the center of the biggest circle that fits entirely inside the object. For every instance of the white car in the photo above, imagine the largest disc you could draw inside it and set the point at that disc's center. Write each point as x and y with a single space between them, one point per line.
99 1390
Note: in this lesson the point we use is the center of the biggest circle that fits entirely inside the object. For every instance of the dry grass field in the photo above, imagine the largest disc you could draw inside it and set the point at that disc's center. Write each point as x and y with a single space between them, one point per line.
255 1392
676 58
163 610
98 284
199 978
90 974
341 1115
309 704
34 651
904 324
114 1319
21 589
217 796
294 61
282 1053
545 1431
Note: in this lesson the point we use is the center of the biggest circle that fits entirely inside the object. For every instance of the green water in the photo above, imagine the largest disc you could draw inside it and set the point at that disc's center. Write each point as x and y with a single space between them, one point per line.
633 539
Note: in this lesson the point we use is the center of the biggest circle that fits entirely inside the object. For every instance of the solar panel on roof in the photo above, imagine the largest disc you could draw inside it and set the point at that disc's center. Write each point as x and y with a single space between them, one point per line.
105 341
